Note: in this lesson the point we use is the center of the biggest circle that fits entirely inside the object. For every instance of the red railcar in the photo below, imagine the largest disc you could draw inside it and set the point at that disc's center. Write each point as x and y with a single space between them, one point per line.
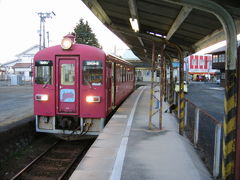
77 87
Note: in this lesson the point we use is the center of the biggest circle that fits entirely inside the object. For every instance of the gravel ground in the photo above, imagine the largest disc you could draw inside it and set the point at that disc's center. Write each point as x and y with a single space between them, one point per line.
18 159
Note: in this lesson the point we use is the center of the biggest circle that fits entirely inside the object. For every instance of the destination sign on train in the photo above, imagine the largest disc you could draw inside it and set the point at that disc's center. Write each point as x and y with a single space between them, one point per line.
92 63
43 63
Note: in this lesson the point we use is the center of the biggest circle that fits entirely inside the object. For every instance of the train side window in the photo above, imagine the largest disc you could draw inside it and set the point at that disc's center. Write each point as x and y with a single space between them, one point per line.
118 72
43 72
121 73
131 76
124 74
92 73
67 74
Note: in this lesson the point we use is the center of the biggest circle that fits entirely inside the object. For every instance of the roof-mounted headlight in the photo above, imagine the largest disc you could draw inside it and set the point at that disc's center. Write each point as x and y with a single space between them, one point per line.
68 41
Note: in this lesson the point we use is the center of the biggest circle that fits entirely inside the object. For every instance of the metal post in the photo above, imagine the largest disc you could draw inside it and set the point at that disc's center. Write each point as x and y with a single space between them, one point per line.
178 108
237 167
43 16
196 126
151 90
181 92
171 83
44 34
161 86
165 79
230 102
217 151
163 75
40 32
48 39
186 110
229 139
181 88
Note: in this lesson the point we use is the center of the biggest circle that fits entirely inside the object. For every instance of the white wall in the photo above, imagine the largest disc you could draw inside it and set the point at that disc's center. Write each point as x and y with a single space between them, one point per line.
24 72
145 75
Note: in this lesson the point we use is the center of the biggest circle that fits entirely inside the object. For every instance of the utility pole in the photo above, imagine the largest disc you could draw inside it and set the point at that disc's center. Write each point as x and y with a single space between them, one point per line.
48 38
43 17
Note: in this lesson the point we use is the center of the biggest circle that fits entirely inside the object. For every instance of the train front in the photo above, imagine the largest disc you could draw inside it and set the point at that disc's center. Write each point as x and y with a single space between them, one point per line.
69 90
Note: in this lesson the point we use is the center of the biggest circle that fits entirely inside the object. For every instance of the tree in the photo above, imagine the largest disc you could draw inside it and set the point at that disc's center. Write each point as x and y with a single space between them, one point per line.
84 34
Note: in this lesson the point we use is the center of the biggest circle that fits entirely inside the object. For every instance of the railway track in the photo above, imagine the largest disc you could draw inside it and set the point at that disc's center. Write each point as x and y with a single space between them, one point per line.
55 162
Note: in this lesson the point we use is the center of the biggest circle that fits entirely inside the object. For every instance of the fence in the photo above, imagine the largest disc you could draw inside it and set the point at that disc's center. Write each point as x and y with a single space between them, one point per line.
8 81
205 132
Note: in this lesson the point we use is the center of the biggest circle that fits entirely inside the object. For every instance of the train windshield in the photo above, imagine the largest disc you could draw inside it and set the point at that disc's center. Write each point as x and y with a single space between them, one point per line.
43 72
92 73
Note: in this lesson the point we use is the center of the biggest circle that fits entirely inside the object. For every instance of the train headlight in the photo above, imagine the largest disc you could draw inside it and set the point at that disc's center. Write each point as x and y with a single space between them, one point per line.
91 99
41 97
66 43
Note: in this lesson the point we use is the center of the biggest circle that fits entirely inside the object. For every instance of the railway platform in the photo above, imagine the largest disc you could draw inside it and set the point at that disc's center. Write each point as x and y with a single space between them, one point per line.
128 150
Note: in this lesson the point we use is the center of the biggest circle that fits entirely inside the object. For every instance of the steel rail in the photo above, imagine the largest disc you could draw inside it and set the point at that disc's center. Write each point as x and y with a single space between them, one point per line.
73 161
34 161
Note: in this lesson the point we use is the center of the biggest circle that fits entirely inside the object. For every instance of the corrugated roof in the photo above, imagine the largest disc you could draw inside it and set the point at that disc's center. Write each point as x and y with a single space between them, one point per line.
22 65
10 62
28 50
184 25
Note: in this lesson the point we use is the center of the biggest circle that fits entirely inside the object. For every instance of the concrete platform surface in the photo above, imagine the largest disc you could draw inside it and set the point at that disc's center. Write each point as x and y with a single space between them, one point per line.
127 150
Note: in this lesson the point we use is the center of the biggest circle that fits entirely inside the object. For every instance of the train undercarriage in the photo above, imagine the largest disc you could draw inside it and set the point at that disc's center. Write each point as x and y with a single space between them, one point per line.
70 127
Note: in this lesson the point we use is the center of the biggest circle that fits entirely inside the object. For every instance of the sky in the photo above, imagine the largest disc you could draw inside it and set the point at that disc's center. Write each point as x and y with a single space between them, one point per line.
20 24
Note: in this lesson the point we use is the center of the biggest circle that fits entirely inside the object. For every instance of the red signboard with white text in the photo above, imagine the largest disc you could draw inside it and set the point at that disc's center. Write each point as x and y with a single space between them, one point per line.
199 63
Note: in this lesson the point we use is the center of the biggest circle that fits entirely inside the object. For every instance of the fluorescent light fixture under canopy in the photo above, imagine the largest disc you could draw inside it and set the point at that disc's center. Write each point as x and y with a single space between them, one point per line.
134 24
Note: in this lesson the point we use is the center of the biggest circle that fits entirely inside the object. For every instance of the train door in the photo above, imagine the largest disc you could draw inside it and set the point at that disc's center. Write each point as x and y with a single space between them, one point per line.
67 78
109 86
113 87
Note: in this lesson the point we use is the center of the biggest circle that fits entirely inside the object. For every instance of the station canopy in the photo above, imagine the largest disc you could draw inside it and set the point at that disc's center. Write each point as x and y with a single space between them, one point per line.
163 21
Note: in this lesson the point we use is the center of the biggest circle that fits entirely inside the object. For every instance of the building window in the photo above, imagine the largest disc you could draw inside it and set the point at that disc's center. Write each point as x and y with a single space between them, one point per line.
201 62
20 73
222 75
221 57
215 58
194 62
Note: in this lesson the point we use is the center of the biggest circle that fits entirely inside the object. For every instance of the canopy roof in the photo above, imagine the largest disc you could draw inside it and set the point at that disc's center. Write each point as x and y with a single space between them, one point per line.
175 22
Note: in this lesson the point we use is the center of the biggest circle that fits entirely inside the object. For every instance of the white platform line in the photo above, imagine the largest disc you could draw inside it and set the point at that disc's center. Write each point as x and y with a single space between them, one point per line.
120 116
118 165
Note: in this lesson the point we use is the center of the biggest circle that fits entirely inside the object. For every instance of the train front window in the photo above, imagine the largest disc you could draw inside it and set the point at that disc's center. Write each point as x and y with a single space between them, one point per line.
43 72
92 73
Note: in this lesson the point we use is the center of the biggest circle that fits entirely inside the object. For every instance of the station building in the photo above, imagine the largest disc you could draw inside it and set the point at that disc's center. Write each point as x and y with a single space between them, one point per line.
21 66
218 62
199 68
142 69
